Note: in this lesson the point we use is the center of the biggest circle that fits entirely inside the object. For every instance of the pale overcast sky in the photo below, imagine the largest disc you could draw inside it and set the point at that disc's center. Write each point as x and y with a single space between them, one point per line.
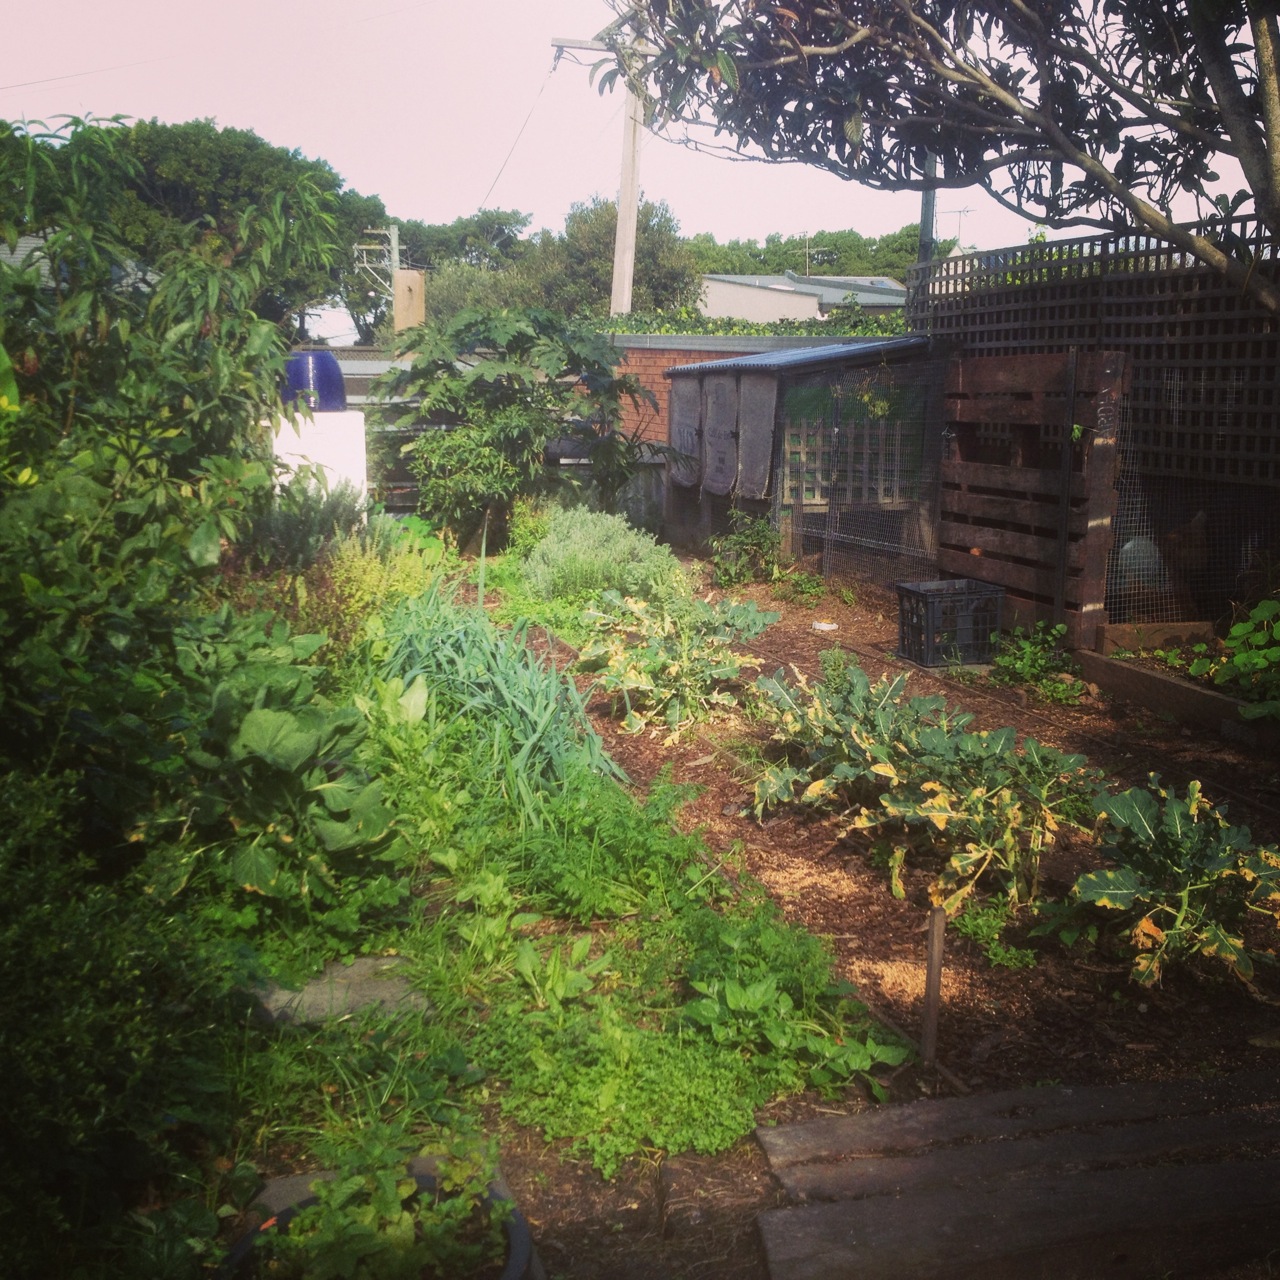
440 107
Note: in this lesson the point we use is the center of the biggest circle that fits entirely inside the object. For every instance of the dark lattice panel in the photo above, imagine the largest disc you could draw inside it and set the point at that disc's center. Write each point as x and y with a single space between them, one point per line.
1199 479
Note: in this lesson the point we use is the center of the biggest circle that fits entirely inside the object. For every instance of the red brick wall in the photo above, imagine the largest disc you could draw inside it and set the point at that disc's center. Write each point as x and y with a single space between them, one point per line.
648 364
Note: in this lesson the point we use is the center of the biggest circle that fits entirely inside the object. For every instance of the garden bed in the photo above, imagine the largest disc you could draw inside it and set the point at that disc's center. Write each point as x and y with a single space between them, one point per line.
1073 1018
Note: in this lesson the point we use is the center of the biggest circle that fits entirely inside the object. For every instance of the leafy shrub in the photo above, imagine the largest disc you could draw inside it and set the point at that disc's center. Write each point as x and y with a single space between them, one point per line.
910 770
686 320
530 519
654 1068
372 1219
493 389
672 662
796 587
1184 878
750 552
107 1053
599 853
275 821
303 518
358 574
983 923
1037 660
1250 665
586 552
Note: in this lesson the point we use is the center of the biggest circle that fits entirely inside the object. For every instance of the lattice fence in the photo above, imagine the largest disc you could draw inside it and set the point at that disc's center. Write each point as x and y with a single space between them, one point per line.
1197 523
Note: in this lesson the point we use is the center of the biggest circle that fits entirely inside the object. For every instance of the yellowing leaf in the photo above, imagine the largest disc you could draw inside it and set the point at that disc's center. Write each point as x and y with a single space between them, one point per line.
1146 933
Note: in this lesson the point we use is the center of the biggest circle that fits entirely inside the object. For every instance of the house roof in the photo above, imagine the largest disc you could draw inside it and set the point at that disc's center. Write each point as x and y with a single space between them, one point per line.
802 359
831 291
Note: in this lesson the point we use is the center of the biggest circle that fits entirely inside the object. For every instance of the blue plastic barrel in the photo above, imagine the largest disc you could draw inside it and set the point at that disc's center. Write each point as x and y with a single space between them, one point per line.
314 379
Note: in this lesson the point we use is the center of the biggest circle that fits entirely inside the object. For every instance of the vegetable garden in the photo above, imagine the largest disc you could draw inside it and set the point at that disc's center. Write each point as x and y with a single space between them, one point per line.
572 789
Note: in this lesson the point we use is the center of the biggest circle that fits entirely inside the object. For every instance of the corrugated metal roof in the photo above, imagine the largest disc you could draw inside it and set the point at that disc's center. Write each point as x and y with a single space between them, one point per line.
855 351
831 291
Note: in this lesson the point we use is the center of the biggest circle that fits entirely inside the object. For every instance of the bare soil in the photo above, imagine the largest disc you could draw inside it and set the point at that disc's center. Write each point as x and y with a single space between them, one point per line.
1073 1018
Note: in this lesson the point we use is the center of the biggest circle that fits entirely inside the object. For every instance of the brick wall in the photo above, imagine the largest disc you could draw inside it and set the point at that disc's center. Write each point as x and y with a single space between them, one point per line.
648 356
649 366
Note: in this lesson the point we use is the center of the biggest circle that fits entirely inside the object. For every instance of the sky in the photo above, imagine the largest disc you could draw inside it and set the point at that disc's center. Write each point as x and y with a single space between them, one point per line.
441 107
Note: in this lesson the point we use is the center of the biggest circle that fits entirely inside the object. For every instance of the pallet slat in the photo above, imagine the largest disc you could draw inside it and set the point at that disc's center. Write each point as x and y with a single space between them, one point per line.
1125 1223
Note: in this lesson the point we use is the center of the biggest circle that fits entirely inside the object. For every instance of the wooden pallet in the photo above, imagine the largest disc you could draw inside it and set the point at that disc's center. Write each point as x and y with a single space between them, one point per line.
1008 517
1128 1181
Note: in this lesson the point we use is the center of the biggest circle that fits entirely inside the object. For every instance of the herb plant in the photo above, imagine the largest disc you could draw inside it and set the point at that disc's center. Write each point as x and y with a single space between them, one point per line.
1036 660
909 770
1250 664
751 551
586 552
983 923
670 662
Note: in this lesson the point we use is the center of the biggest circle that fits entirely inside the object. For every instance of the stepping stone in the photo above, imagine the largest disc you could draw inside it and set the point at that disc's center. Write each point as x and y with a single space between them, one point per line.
370 982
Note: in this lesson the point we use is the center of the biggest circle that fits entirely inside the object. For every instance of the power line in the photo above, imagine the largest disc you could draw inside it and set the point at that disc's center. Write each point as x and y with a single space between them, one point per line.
502 168
80 75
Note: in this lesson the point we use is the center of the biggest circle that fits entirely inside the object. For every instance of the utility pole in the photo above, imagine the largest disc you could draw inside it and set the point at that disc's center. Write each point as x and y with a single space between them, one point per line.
624 243
928 206
624 240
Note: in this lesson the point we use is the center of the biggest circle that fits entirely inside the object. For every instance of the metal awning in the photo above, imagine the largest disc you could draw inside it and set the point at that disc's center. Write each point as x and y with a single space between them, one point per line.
795 359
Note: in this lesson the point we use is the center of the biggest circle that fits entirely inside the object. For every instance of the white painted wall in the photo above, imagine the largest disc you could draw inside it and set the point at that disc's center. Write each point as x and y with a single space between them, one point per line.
334 441
723 298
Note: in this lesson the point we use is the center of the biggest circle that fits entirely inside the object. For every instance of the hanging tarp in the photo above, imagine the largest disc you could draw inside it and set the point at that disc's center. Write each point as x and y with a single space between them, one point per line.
757 401
719 433
686 431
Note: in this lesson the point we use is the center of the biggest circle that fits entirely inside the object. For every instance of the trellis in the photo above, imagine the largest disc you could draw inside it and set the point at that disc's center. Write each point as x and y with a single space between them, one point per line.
1198 517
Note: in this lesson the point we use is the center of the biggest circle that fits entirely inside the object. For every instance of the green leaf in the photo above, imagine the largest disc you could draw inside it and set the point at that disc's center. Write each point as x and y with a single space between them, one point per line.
1136 810
413 702
1118 889
205 547
275 737
255 868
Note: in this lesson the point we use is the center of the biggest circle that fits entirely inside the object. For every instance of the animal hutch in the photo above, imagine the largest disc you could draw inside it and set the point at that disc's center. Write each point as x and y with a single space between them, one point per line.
838 444
1092 425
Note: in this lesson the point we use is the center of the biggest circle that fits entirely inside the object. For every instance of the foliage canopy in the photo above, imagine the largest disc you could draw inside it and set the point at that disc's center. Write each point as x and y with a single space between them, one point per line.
176 178
1095 114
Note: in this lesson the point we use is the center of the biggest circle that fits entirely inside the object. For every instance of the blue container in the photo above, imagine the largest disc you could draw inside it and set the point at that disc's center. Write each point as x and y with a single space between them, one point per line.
313 379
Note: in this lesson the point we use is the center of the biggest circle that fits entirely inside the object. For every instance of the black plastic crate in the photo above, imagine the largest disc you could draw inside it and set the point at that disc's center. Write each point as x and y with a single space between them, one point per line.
953 621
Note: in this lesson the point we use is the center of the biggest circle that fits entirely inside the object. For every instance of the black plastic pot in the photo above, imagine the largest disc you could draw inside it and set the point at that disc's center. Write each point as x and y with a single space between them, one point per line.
521 1261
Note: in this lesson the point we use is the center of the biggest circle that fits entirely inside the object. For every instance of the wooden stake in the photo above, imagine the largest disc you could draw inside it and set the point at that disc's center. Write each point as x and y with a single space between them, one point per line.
933 987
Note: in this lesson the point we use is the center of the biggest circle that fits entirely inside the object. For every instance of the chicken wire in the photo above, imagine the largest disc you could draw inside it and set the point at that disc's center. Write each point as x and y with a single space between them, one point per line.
860 450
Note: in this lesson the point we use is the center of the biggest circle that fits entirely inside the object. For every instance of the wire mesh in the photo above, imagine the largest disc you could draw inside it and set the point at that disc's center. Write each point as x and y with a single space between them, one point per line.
1197 519
859 469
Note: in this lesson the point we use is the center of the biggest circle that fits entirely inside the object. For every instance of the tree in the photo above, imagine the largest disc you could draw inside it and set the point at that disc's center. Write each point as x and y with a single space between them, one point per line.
175 177
137 448
821 253
488 239
574 271
491 390
1095 113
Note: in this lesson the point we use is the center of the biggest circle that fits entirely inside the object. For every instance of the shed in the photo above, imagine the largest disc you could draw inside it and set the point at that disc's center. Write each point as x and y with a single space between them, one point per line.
839 444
